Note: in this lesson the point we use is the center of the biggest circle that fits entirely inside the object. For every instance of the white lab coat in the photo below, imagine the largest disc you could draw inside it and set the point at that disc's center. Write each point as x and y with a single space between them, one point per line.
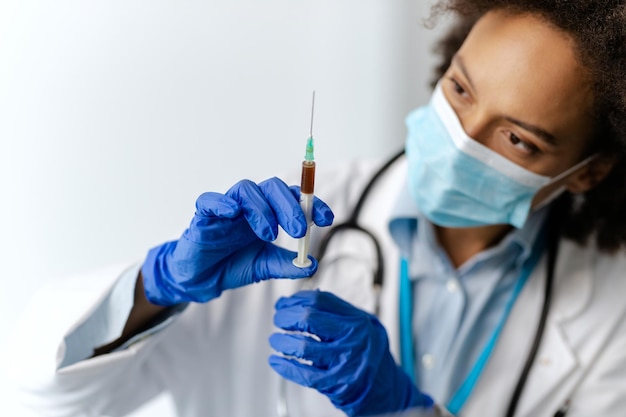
213 359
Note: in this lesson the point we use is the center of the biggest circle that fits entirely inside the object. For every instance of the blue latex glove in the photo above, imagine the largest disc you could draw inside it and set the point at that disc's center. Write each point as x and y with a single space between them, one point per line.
351 363
228 243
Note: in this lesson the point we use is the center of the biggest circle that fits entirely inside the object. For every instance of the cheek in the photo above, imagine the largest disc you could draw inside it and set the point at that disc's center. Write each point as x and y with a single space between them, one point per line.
547 192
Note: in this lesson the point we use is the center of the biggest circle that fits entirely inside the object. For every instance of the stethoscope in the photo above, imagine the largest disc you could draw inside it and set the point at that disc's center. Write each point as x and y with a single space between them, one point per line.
352 225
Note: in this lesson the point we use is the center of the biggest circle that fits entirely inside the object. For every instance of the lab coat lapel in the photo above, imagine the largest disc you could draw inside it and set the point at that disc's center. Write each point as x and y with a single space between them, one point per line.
556 359
555 362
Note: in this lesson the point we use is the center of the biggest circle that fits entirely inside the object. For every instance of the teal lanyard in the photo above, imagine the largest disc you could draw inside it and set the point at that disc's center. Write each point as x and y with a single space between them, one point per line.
406 332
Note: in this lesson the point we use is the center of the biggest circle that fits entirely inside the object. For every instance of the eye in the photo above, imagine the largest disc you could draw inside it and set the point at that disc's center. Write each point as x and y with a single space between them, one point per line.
522 145
458 88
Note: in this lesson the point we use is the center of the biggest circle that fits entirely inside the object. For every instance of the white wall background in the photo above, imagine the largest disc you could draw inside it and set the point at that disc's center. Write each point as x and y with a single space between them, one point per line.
115 115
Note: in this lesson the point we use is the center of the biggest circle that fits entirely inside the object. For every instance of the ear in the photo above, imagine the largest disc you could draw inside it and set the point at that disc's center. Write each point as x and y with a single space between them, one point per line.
591 175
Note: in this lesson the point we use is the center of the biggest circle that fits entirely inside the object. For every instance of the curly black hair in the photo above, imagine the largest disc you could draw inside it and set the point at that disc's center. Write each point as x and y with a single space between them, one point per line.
598 29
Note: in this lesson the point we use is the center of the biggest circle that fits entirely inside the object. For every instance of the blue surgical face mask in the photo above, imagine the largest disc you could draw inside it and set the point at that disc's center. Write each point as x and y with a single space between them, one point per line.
458 182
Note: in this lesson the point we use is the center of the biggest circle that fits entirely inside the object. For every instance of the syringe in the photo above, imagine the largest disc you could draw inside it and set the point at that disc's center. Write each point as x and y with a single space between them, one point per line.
307 183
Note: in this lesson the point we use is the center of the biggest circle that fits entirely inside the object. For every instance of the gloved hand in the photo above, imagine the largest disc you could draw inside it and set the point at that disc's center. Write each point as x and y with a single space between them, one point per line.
228 243
351 362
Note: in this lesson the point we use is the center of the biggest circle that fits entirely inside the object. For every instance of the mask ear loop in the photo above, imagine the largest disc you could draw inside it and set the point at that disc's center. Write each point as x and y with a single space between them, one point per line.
549 199
557 193
573 168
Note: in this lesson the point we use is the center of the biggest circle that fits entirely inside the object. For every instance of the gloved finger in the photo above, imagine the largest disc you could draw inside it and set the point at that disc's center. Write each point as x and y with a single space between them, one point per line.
303 347
321 300
256 209
327 326
277 262
291 369
286 207
322 214
217 205
215 213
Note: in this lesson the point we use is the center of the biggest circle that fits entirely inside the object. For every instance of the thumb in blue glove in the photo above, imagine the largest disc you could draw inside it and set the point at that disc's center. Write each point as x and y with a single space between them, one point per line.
229 243
350 363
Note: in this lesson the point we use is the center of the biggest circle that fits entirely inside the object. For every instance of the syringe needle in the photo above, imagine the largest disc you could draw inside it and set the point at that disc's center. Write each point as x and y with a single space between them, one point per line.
312 110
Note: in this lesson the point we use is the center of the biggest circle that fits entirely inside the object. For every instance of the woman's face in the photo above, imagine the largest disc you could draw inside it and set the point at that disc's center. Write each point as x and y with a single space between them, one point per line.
518 88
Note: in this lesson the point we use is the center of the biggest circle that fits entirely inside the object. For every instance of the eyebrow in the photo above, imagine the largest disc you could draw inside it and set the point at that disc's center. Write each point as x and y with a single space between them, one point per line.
457 60
536 130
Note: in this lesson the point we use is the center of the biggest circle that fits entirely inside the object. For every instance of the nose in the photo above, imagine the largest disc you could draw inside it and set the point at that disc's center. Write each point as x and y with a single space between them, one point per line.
476 124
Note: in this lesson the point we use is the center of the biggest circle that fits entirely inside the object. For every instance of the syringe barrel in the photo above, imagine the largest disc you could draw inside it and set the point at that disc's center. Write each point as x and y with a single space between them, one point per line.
307 182
306 203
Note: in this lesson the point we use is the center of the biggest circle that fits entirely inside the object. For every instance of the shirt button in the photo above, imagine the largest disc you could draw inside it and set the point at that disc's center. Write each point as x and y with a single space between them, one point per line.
428 361
452 285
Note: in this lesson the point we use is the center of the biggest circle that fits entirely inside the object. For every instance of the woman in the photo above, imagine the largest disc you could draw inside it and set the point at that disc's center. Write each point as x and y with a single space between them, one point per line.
514 169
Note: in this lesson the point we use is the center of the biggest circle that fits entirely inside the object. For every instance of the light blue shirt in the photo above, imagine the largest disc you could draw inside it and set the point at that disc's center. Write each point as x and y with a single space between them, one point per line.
456 310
